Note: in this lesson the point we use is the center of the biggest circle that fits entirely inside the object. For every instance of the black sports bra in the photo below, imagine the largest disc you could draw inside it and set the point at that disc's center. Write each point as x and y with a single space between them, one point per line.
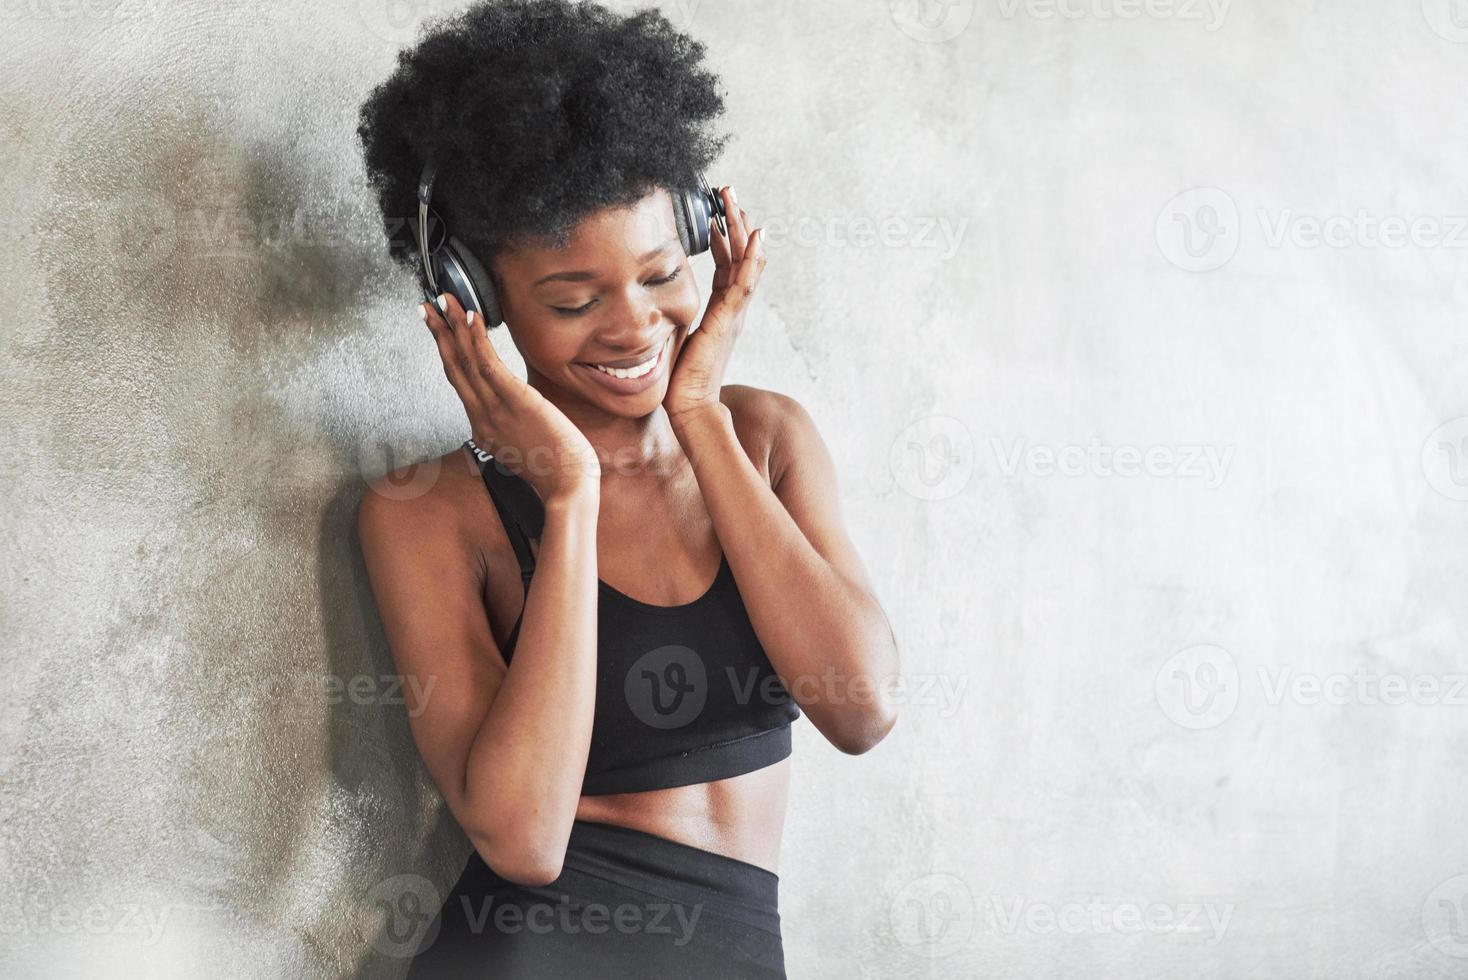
684 694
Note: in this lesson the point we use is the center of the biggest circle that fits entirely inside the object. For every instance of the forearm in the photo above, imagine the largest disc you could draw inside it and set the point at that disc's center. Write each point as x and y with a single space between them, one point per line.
527 762
825 636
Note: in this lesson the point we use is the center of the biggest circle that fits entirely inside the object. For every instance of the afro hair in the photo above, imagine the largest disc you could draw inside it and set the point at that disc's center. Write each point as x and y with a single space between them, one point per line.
537 113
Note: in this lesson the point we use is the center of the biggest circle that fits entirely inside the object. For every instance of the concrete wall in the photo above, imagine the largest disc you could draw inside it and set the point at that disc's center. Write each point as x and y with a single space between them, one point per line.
1159 470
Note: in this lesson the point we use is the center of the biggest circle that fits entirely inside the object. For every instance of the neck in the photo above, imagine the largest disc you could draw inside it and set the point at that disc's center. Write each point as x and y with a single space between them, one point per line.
626 447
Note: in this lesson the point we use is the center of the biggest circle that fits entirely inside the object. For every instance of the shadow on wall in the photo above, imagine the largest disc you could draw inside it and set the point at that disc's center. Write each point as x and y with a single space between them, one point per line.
373 755
185 273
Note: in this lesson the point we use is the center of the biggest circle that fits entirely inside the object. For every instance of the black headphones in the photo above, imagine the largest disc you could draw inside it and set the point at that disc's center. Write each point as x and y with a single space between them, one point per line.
449 266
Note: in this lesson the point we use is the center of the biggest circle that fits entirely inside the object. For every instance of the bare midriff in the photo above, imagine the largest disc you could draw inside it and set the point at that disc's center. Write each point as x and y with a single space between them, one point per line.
742 817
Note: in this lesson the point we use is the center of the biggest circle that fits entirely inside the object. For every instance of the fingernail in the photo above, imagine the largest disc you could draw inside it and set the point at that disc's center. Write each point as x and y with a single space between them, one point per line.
469 318
443 304
423 311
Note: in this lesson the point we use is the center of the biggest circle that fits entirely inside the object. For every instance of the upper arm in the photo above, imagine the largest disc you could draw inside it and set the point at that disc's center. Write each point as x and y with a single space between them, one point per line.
427 581
803 477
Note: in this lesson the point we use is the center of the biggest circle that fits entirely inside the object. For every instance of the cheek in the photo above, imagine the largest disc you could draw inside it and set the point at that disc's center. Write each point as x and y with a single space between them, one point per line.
682 307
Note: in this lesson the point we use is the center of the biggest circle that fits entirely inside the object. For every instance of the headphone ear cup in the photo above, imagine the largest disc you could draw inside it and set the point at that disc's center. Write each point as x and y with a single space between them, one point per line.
683 222
691 215
470 281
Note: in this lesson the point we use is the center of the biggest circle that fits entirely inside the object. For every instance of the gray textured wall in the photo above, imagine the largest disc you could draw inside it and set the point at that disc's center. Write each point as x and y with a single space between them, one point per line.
1145 375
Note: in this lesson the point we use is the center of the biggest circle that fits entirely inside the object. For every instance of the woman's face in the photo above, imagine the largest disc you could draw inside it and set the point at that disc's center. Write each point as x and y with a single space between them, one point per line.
619 294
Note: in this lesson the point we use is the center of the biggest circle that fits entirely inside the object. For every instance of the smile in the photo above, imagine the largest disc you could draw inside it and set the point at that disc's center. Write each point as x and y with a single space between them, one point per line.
636 370
630 380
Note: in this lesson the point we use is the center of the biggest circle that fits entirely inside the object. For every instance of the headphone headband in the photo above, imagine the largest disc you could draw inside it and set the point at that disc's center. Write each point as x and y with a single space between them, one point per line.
450 266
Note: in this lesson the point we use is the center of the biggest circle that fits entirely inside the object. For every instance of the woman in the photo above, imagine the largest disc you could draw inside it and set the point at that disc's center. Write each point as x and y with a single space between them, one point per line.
629 582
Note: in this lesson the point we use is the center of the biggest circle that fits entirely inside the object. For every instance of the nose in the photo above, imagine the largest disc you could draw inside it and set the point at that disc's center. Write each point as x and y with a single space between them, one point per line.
634 321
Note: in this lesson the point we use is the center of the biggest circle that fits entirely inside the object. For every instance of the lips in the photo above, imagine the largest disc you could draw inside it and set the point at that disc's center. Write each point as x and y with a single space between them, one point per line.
631 386
629 363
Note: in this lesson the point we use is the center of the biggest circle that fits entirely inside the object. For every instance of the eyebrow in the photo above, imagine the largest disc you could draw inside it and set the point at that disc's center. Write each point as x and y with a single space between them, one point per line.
581 275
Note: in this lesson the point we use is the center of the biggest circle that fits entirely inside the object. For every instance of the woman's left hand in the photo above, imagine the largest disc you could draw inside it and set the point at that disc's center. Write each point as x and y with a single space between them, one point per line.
698 374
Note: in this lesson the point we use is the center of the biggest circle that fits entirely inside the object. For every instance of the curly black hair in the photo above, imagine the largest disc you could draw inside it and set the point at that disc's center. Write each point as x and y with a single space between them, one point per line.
537 112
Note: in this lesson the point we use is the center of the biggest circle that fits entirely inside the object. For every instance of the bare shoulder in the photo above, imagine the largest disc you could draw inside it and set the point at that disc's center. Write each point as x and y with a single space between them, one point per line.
768 422
430 500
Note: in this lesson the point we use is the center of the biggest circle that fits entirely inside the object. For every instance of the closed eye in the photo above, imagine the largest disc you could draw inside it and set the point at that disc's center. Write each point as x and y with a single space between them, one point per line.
578 310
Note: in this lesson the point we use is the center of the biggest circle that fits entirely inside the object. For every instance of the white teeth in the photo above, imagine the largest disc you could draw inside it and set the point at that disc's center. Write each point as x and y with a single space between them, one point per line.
637 370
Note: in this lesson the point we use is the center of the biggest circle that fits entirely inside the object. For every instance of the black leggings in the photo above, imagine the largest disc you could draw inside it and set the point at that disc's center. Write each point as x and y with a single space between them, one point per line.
627 904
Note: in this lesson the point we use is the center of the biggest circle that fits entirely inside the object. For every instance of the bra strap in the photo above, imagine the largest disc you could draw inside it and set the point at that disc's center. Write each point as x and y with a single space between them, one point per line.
519 507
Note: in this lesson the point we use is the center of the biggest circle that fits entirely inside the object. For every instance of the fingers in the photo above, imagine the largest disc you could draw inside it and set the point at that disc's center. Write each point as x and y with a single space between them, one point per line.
738 226
748 274
472 352
740 258
454 367
729 252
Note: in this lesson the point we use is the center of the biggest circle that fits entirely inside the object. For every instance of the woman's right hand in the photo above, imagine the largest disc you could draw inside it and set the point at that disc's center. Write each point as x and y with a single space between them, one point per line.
508 418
